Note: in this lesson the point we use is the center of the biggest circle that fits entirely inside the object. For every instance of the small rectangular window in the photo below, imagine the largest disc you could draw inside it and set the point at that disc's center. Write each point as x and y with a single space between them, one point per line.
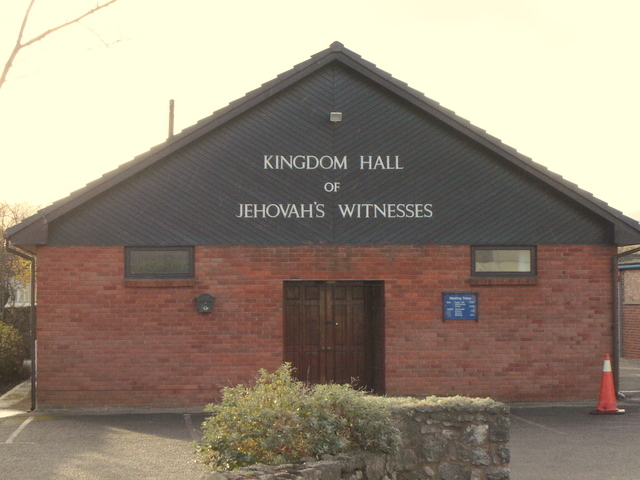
503 261
159 262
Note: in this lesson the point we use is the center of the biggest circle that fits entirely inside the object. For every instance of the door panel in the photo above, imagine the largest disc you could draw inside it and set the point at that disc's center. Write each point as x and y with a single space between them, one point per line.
329 331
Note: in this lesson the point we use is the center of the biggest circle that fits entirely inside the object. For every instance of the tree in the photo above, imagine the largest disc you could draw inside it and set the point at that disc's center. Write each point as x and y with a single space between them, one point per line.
21 44
14 270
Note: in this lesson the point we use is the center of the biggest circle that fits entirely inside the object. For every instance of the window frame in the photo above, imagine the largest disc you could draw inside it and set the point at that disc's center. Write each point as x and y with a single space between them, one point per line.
127 263
533 272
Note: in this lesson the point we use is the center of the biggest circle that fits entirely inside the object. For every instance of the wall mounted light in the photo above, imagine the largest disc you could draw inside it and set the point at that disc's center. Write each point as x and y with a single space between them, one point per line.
335 117
205 303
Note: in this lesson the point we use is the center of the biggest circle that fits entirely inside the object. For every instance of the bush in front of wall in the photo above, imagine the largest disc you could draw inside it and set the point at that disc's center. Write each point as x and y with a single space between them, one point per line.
11 354
281 420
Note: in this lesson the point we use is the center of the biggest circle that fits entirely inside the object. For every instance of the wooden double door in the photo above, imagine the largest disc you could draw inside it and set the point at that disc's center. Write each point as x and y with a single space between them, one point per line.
333 332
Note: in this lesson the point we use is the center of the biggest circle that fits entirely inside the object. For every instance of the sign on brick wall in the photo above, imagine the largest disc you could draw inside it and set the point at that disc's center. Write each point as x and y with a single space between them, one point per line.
460 306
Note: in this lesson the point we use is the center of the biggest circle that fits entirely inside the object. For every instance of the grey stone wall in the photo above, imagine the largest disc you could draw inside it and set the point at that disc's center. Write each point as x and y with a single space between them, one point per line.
452 439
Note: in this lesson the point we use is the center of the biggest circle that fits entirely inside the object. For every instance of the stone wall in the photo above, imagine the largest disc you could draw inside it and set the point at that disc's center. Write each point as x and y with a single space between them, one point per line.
452 439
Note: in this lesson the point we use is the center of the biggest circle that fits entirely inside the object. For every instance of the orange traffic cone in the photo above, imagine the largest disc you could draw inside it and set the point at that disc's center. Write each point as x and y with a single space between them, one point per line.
607 402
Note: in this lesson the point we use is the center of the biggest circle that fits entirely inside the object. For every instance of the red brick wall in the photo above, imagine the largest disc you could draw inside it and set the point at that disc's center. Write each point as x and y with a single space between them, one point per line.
106 341
631 313
631 282
631 331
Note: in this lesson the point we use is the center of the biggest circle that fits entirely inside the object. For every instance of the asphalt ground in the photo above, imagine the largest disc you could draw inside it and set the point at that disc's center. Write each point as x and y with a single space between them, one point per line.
100 447
565 442
548 441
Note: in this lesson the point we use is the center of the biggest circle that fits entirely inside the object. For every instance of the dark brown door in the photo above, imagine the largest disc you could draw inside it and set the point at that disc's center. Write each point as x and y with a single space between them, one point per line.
330 330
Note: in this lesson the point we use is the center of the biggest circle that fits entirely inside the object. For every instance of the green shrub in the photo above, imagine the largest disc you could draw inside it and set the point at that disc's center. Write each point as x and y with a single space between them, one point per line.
11 354
280 420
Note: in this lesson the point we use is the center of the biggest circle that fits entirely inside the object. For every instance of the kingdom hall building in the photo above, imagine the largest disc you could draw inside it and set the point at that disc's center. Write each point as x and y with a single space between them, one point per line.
336 219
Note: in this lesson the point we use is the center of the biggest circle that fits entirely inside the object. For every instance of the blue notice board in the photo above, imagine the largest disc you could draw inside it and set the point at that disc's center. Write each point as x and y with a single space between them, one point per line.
460 306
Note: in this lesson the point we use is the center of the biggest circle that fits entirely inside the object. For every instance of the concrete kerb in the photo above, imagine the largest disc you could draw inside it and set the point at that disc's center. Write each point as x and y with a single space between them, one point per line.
18 402
117 410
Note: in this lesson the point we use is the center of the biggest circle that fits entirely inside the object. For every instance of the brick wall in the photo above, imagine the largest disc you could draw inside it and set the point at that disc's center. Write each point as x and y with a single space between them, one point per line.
106 341
631 283
631 331
631 313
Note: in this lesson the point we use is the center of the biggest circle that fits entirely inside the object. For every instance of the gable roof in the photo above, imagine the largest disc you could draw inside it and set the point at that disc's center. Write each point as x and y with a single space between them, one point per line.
34 230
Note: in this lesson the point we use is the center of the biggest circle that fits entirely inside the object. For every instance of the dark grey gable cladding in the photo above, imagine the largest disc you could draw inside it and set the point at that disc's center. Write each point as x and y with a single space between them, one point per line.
399 169
222 190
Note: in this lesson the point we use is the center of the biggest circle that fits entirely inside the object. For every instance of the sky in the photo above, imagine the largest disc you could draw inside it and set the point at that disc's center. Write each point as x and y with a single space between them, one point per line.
558 80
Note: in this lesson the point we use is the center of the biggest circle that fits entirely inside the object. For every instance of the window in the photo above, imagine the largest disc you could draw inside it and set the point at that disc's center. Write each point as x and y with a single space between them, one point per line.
503 261
159 262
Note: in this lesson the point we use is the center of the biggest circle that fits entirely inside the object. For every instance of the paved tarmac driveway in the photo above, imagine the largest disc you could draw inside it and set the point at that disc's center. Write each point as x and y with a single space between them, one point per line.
566 443
99 447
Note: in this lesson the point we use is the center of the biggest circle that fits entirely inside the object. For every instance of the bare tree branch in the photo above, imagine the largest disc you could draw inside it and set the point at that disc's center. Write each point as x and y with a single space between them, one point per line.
95 33
70 22
19 45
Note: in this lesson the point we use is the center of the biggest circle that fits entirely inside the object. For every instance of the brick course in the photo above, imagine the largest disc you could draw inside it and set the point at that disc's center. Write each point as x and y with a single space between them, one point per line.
104 341
631 313
631 282
631 331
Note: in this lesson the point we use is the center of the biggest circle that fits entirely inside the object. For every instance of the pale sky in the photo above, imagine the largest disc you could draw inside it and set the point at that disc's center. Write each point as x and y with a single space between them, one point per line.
558 80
